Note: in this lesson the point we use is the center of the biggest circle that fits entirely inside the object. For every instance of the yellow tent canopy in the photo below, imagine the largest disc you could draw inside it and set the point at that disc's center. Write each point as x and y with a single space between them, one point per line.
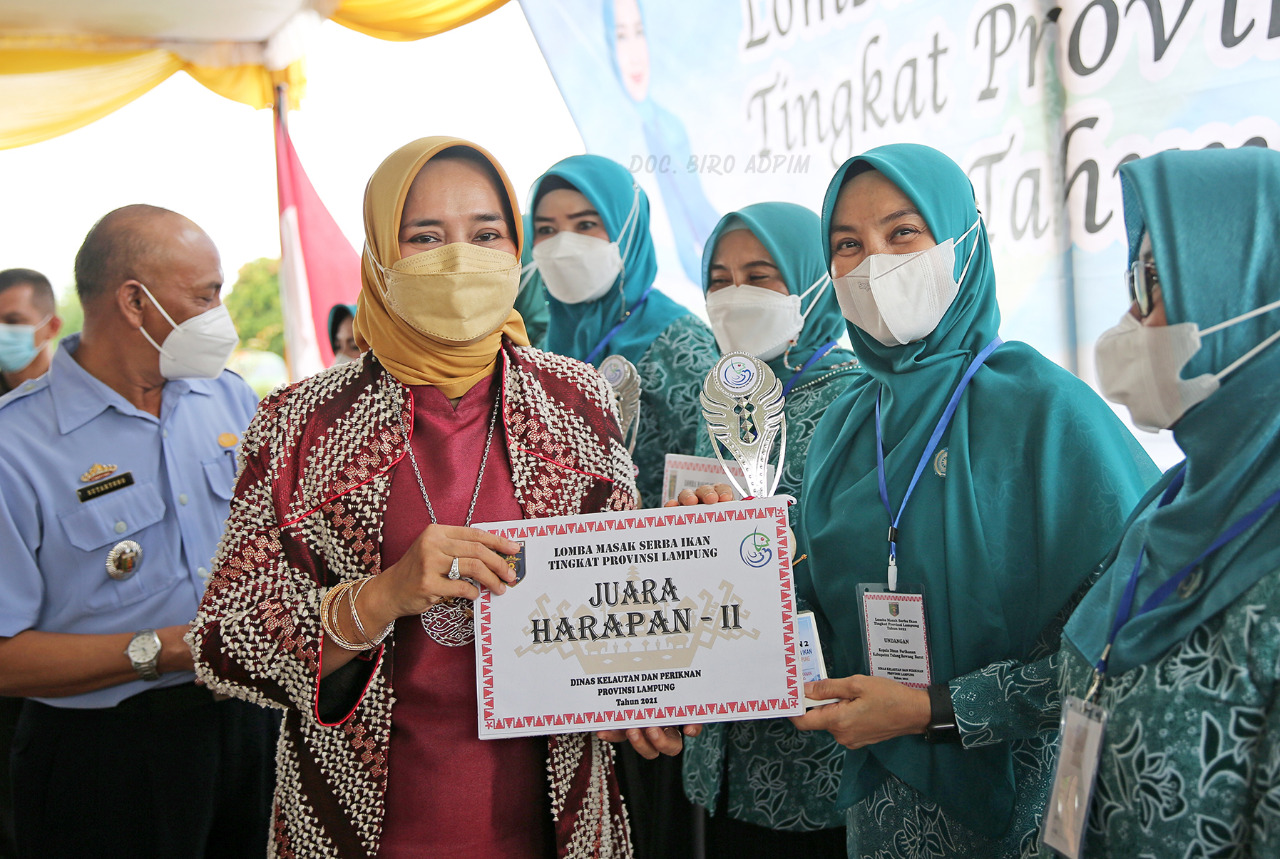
66 64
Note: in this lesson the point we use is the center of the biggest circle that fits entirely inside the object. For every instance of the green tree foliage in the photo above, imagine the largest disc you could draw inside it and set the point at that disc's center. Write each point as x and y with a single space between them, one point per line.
71 312
254 305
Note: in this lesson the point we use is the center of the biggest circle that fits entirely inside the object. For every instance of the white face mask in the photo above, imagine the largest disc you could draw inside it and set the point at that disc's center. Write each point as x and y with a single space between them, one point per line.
1140 366
900 298
756 320
200 347
577 268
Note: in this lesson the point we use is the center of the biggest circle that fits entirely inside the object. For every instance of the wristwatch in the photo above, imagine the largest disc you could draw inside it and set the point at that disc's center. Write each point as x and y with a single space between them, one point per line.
942 726
144 652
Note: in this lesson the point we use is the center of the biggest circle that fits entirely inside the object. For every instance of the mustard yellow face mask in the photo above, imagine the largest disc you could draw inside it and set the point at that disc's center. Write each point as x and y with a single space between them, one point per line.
455 294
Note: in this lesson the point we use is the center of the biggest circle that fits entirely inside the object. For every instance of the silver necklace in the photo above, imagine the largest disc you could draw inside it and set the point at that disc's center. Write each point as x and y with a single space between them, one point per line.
449 621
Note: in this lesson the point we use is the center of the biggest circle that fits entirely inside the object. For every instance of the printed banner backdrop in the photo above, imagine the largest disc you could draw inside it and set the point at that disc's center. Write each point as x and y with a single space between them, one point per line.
714 105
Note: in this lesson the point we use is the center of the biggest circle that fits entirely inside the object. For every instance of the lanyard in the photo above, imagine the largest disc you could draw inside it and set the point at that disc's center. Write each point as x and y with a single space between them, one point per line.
943 423
1124 613
595 353
813 359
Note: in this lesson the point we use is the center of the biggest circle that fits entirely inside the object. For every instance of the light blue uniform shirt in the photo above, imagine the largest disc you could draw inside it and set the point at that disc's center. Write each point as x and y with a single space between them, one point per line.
53 546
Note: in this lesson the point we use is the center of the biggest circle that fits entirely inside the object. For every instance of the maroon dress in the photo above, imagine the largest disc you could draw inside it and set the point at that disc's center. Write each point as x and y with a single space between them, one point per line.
448 792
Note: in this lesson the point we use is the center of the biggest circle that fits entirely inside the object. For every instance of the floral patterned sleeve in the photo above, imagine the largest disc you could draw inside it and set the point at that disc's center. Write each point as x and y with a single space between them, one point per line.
671 375
1266 787
1012 699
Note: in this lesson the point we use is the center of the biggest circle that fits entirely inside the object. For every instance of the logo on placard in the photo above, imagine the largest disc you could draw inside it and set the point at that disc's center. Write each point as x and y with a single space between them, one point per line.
893 609
755 549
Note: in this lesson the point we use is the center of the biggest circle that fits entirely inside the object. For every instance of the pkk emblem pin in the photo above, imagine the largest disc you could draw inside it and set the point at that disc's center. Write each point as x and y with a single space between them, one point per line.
742 405
123 560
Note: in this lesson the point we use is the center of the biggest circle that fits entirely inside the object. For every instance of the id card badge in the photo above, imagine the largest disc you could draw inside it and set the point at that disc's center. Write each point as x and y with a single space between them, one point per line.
1074 777
896 634
812 665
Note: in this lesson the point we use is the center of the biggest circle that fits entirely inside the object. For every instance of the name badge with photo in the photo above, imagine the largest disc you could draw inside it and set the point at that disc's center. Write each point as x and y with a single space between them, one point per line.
897 637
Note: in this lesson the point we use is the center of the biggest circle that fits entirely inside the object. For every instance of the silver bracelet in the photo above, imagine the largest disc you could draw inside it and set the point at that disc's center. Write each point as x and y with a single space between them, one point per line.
329 621
352 596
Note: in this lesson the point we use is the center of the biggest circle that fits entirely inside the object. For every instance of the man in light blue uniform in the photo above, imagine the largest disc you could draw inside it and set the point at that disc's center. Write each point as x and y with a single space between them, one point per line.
116 473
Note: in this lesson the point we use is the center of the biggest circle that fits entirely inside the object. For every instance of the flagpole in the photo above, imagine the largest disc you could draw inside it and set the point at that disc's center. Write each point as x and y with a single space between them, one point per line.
281 111
318 265
281 105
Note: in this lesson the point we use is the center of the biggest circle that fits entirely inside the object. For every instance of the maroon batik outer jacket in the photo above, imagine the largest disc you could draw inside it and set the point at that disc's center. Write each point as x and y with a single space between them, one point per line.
315 475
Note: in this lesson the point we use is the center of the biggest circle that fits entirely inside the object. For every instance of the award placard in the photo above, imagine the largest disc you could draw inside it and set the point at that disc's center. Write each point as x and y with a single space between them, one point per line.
649 617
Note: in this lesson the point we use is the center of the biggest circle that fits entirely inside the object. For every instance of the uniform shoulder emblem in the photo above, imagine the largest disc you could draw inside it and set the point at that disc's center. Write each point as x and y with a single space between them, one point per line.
23 391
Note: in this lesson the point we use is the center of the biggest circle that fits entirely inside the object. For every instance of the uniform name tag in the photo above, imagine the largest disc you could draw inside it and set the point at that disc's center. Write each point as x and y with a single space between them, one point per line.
1074 776
102 487
896 635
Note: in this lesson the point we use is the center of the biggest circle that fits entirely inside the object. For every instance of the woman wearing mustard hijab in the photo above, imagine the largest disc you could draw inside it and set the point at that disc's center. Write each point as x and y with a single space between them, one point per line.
342 585
1001 480
1178 642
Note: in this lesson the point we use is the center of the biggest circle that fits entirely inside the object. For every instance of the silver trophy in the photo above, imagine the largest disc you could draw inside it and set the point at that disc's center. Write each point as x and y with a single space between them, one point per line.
623 377
742 405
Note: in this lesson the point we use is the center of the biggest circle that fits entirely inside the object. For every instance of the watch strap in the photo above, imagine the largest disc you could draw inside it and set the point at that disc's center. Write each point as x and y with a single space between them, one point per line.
148 670
942 726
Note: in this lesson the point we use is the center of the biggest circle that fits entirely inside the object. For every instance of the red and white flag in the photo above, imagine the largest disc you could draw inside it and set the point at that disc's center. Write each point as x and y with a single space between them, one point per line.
318 266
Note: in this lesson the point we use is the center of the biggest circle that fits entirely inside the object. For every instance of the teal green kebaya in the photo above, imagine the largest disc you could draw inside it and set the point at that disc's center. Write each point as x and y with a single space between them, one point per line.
1002 534
773 775
672 349
1191 756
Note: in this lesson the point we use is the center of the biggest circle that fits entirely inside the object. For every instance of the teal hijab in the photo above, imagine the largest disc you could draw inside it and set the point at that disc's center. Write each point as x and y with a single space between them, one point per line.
1039 474
791 234
531 302
576 329
1214 225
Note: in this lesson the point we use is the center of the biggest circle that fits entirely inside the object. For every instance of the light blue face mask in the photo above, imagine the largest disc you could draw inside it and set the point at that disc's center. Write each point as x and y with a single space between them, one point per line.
18 345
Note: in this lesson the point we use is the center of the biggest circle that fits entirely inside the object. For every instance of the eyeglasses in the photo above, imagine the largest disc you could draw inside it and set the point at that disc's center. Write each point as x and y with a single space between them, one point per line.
1142 282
